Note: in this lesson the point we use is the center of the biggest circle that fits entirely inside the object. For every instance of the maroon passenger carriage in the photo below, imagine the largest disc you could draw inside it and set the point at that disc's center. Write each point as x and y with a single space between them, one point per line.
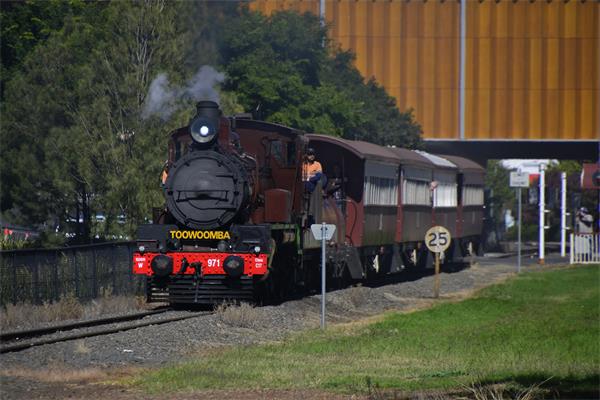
392 196
470 199
236 223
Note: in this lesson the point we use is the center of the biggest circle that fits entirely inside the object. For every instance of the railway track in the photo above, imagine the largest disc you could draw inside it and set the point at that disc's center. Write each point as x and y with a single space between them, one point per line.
25 339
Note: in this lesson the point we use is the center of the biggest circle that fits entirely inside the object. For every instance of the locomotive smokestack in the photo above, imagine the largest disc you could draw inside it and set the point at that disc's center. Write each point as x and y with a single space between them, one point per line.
208 109
205 125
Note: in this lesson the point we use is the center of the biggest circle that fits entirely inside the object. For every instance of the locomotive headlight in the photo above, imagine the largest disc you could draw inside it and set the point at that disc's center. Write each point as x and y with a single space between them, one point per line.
257 249
203 130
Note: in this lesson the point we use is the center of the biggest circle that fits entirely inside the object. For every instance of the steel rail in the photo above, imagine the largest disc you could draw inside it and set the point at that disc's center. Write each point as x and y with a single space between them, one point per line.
26 345
30 333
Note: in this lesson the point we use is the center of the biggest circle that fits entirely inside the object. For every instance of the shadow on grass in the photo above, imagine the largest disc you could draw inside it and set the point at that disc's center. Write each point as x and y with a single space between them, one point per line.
569 387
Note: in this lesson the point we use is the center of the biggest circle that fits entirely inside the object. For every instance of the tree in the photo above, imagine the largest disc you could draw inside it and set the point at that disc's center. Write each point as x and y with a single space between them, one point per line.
76 105
501 195
381 121
279 67
25 24
75 140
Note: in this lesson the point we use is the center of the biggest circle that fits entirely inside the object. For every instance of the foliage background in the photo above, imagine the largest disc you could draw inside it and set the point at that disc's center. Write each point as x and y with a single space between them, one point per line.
75 77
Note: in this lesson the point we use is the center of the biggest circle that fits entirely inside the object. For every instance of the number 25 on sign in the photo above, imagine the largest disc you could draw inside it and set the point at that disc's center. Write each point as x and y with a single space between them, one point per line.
437 240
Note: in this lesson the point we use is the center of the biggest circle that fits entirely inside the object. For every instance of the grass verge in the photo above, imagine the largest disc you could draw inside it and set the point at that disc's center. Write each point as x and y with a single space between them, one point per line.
538 327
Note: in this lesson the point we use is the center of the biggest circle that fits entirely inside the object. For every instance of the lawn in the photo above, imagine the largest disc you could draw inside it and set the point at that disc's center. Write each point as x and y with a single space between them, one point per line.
539 326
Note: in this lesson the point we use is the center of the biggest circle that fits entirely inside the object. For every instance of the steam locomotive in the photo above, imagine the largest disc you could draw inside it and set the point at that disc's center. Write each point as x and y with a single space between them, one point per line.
236 224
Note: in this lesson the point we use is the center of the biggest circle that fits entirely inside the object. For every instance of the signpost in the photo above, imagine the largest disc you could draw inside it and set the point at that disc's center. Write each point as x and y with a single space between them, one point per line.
322 232
437 240
519 180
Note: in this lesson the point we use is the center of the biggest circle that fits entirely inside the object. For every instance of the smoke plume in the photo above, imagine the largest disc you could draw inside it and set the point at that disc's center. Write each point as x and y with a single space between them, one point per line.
163 98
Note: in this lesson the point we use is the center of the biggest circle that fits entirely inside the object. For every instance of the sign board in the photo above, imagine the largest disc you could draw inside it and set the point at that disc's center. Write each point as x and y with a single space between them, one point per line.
519 179
437 239
318 230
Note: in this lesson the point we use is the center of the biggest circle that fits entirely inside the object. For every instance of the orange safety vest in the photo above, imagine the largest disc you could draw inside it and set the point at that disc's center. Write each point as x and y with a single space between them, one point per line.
309 170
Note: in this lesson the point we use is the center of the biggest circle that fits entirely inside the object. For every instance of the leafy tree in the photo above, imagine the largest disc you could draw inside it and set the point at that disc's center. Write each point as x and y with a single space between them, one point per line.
74 138
571 167
381 121
273 65
279 67
502 196
25 24
82 144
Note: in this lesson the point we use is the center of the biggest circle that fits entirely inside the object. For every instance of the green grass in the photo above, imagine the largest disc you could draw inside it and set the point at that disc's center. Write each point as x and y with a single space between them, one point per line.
534 327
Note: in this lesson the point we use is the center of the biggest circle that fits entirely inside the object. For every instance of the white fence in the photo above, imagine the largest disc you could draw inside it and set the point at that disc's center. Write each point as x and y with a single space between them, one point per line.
585 248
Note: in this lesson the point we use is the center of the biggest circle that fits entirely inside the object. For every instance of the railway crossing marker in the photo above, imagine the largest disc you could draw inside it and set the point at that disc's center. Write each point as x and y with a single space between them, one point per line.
437 240
322 232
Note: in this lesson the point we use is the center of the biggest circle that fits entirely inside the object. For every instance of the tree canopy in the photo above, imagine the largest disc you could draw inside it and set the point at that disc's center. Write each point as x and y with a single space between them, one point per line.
75 140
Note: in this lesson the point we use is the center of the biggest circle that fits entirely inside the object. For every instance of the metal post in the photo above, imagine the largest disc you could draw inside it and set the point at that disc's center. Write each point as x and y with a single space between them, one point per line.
113 252
36 283
519 231
322 12
323 276
75 269
131 288
94 275
542 207
563 214
463 56
56 282
436 287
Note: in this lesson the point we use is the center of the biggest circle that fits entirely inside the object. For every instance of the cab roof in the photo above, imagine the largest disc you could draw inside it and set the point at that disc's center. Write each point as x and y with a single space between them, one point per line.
370 151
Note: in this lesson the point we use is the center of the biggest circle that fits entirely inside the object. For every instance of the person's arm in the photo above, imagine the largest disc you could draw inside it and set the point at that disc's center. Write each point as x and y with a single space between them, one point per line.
315 178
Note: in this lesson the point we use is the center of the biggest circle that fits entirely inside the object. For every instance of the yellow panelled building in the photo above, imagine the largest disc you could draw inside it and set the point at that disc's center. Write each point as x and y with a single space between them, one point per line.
532 66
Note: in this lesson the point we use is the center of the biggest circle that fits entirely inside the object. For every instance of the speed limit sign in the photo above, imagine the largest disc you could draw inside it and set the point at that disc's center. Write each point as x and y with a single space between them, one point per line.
437 239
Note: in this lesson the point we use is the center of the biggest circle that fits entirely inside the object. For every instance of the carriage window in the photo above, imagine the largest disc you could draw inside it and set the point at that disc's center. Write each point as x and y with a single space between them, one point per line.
416 193
381 191
472 195
284 152
444 195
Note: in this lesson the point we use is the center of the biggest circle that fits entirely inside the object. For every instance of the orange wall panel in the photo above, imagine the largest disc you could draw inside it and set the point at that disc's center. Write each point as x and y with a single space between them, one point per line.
532 66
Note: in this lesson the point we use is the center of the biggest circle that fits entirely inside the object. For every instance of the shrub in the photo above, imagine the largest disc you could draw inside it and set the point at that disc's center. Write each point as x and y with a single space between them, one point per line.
243 315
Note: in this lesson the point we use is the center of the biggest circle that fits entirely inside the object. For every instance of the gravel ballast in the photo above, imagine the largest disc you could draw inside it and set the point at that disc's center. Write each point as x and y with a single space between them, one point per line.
159 344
